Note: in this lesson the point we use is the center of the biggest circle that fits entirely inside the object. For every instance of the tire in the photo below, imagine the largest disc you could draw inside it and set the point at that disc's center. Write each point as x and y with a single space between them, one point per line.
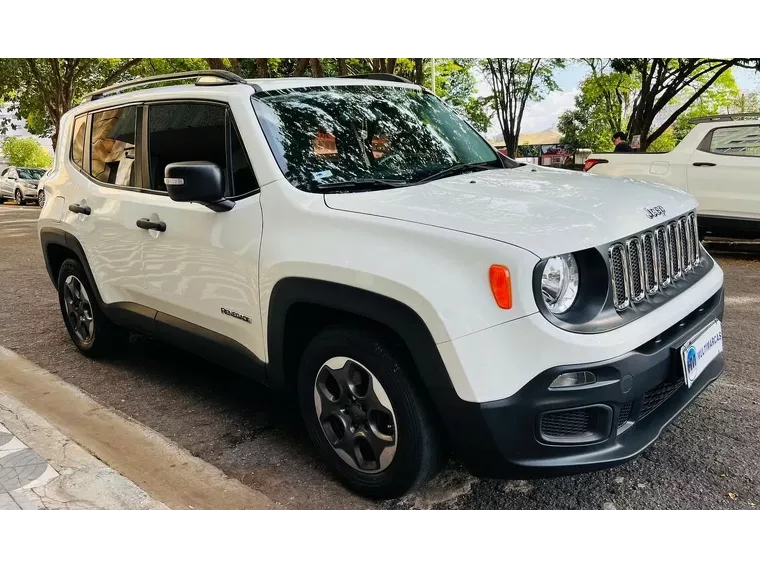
41 199
20 198
415 452
89 328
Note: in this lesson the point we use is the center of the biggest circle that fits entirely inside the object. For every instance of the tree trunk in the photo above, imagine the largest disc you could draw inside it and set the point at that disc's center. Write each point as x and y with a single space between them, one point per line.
377 65
510 142
301 67
390 65
235 66
316 68
342 67
54 140
262 67
419 75
216 63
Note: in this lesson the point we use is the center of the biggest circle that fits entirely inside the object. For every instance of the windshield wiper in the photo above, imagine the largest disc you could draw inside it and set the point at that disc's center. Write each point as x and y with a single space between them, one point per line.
457 169
359 184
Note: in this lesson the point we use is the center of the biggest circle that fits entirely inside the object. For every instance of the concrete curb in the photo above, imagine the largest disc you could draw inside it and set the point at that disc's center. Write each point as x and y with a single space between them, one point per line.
159 467
74 479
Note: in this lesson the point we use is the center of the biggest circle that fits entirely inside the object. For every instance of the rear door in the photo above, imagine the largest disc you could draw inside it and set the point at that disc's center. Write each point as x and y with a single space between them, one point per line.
105 198
724 172
3 182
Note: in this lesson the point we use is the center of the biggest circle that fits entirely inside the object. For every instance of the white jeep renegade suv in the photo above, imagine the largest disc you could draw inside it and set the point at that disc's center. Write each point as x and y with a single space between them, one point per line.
354 242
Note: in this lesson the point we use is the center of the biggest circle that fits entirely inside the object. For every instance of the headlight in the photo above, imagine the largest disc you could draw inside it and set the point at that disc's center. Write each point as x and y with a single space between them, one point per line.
559 283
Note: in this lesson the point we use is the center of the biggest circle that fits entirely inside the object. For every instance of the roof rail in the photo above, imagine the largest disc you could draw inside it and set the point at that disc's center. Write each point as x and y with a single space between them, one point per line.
725 117
377 77
223 78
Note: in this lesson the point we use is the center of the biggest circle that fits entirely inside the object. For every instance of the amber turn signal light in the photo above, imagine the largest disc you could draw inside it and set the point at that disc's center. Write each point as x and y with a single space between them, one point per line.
501 285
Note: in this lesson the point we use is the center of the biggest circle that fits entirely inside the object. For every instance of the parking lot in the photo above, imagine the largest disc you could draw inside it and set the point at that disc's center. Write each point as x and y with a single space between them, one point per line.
710 458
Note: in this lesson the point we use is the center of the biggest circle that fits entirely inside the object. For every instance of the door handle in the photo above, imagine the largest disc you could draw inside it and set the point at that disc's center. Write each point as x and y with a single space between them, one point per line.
147 224
83 209
699 164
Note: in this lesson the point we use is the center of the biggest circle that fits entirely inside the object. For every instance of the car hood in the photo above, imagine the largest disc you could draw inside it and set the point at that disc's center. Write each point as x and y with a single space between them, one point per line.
33 182
547 211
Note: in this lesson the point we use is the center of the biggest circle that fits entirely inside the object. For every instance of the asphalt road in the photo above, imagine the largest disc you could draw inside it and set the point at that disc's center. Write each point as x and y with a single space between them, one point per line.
708 459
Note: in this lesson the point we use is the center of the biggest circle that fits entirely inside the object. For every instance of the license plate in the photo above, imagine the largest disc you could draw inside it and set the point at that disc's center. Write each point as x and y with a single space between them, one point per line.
700 350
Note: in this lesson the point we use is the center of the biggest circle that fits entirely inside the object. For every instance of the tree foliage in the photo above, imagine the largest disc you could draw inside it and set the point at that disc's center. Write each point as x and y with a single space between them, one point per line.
724 97
601 108
513 83
612 97
26 152
40 91
661 82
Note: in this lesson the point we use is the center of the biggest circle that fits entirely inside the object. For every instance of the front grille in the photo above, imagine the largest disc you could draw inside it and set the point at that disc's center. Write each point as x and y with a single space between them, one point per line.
652 261
565 424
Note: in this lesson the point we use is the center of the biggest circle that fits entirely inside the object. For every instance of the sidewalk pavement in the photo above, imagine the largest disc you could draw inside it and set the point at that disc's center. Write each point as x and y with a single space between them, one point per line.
50 433
47 470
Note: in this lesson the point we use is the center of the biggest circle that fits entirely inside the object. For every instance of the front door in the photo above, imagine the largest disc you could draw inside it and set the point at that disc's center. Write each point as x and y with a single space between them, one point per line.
724 173
201 272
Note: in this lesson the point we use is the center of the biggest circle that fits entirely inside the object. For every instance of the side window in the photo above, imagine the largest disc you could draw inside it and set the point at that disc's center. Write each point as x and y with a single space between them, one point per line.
736 141
112 149
182 132
4 172
77 141
243 178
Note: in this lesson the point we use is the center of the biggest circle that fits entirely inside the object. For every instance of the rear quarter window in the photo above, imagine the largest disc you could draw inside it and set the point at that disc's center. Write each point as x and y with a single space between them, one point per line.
77 141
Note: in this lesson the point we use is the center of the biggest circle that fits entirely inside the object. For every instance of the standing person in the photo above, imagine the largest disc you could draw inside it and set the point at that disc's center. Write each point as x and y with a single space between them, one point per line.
621 145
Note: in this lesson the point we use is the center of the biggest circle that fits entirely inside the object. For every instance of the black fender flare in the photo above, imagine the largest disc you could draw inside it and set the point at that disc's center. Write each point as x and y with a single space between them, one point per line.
52 235
394 315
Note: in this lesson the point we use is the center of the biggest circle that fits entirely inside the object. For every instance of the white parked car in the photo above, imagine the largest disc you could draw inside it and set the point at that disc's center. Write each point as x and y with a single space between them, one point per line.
718 162
20 184
353 242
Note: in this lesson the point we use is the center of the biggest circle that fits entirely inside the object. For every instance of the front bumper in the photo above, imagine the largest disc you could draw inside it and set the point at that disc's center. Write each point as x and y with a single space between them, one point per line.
636 396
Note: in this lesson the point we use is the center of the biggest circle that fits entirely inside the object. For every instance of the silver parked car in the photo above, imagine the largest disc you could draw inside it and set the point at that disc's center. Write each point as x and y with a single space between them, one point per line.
20 184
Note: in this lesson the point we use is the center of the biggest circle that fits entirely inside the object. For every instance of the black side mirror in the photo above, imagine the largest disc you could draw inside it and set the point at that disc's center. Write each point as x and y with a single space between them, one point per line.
199 182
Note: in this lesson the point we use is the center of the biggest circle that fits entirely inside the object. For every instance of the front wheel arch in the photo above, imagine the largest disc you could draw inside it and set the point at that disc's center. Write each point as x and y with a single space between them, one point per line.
300 307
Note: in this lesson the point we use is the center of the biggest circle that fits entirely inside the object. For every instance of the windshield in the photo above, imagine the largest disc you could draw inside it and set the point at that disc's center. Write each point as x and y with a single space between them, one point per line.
27 173
324 136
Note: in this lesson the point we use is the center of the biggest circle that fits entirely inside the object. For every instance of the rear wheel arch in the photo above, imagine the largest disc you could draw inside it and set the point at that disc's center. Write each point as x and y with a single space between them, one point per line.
57 246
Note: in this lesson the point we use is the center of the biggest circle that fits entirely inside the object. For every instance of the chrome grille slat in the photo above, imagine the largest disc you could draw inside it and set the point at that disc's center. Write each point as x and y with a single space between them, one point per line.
636 267
647 264
697 258
621 297
663 257
676 271
684 233
650 262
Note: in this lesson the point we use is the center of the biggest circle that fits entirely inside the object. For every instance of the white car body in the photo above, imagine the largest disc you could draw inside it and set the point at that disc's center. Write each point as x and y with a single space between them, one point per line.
724 179
425 249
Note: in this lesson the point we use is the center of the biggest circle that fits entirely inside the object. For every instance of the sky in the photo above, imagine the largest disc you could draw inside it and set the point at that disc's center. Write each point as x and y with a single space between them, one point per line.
543 115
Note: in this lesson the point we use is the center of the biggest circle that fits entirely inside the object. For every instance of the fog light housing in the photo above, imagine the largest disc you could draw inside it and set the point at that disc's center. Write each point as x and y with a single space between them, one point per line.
574 379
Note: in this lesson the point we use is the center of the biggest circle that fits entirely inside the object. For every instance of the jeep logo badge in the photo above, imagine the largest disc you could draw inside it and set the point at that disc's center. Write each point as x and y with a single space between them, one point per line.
656 211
